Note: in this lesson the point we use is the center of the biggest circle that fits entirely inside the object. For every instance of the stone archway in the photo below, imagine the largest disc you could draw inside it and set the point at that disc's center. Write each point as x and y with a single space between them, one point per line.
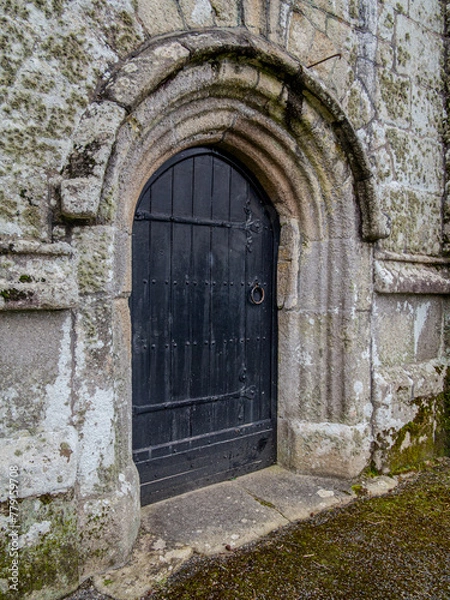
242 94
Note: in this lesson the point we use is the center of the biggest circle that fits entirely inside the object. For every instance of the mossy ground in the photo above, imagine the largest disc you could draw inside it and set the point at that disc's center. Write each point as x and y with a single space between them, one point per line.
396 546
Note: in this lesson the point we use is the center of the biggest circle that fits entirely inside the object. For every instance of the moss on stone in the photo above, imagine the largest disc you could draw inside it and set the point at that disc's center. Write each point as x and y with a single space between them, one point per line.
354 105
28 141
353 9
389 21
107 209
107 477
8 206
122 34
16 8
426 436
81 162
401 219
92 537
395 93
49 7
94 267
395 546
70 52
16 46
43 98
48 559
403 56
33 217
359 490
15 295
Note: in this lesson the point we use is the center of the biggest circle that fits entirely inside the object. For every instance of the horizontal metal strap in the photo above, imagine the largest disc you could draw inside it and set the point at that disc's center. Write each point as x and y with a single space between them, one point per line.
143 215
247 392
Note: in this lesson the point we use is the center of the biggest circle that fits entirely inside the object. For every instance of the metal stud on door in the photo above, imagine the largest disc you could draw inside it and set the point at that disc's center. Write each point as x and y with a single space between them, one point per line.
203 325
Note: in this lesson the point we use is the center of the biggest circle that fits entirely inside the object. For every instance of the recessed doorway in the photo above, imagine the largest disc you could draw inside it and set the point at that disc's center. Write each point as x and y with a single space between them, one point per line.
203 313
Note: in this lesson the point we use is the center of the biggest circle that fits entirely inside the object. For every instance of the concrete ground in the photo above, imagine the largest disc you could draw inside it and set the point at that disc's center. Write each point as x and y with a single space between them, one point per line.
222 517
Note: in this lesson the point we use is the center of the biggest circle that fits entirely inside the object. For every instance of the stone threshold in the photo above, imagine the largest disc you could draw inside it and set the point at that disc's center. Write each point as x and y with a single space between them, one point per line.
222 517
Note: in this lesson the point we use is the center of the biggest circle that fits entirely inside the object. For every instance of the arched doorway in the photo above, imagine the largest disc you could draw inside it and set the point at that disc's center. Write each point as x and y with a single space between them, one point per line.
249 97
203 317
256 102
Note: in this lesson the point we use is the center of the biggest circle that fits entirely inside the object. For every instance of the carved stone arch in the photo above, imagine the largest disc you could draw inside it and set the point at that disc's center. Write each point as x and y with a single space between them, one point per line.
163 59
238 92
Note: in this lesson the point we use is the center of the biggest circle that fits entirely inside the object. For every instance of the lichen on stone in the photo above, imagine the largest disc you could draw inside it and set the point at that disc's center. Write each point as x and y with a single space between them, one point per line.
425 437
81 162
51 58
395 92
49 546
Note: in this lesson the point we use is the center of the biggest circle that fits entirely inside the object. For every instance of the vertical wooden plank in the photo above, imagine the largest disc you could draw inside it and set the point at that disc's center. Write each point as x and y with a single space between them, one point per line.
267 335
139 308
140 334
220 318
258 323
201 415
183 184
238 368
202 176
181 297
160 294
267 340
161 194
145 199
181 278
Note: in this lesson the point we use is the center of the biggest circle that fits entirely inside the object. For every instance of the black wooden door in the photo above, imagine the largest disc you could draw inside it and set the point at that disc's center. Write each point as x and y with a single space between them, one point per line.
203 325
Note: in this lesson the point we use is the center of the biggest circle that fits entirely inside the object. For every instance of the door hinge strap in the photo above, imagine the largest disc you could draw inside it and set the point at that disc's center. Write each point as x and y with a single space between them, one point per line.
253 225
246 392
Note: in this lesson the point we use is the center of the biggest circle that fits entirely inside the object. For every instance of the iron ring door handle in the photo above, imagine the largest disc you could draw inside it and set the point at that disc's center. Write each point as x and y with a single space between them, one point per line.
257 291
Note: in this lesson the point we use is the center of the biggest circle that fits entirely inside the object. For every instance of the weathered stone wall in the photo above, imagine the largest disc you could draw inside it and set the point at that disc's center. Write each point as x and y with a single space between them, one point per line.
95 95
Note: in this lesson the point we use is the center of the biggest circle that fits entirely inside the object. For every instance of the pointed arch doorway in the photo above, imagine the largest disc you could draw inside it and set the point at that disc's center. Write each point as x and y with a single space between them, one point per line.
203 314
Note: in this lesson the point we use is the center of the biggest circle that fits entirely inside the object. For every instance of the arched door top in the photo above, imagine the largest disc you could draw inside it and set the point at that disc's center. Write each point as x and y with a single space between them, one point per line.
239 69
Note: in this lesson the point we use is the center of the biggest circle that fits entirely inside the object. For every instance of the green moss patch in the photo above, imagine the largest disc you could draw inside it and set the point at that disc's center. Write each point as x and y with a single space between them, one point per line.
396 546
425 437
48 558
395 92
415 441
15 295
70 52
443 433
